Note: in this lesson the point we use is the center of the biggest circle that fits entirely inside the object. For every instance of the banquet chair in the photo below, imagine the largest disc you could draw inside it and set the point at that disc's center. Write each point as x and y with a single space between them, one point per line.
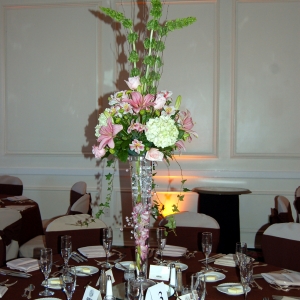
82 235
10 227
11 185
283 206
297 203
78 190
281 245
189 228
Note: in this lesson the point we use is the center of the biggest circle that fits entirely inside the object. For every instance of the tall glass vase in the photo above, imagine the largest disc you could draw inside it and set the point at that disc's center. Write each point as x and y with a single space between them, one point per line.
141 184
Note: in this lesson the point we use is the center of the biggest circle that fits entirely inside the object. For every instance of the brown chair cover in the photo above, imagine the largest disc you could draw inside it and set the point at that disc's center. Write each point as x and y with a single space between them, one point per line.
190 237
11 189
80 238
2 253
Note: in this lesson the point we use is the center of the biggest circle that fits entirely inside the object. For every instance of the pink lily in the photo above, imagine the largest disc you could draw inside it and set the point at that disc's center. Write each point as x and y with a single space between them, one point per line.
187 123
137 146
180 145
98 152
139 102
107 134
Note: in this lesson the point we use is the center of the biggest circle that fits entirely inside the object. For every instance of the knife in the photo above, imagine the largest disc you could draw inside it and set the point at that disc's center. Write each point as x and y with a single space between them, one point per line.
227 285
80 256
15 274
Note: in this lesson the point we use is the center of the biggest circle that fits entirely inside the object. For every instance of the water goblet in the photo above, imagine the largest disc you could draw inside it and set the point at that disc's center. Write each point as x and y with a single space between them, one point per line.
161 236
68 279
129 274
66 249
198 286
107 237
206 246
45 263
240 250
246 272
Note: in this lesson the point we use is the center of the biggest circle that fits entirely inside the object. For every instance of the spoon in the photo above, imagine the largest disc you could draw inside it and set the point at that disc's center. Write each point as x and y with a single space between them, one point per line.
30 289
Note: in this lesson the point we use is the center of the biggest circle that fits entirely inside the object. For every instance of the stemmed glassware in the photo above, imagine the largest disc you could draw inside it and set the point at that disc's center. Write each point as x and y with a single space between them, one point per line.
45 266
68 279
107 238
66 249
206 246
246 272
161 236
198 286
240 250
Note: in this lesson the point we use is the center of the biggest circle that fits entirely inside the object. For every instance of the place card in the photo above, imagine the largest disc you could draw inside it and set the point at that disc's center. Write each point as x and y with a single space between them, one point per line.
91 294
157 292
110 273
159 273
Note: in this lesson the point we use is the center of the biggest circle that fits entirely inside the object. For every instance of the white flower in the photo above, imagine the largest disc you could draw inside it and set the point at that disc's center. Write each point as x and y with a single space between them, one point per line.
168 111
162 131
133 82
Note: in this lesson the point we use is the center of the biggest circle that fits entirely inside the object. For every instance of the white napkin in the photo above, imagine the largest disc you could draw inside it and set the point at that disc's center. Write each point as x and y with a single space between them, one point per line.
17 198
19 207
174 251
287 298
282 279
23 264
3 290
93 251
227 260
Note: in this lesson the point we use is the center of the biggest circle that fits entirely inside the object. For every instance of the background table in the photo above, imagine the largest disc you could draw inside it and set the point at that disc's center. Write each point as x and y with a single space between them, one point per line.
222 203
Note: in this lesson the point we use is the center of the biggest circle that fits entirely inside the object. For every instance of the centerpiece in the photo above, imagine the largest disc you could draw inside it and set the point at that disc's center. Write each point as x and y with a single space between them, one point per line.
143 125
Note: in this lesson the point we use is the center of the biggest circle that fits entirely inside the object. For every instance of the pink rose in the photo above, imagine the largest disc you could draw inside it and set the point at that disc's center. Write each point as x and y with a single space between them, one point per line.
154 155
133 82
98 152
159 102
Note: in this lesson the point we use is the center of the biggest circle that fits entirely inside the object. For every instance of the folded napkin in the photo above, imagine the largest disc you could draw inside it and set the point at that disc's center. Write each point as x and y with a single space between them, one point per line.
93 251
174 251
23 264
227 260
17 198
19 207
3 290
283 278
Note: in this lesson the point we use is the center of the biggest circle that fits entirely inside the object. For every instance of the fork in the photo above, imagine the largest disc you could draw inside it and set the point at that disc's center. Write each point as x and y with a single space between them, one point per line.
9 284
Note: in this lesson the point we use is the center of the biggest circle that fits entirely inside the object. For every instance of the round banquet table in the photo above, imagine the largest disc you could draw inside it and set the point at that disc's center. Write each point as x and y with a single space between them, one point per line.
16 291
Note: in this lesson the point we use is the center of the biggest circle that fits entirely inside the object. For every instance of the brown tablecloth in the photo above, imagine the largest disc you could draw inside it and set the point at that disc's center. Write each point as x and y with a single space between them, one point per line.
16 291
31 218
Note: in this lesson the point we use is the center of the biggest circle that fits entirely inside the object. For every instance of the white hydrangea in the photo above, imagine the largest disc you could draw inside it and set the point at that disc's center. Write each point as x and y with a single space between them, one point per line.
162 131
102 121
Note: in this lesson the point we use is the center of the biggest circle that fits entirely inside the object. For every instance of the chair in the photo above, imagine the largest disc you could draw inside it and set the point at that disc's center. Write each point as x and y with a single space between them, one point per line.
282 204
85 235
77 193
281 245
297 202
11 185
189 228
10 227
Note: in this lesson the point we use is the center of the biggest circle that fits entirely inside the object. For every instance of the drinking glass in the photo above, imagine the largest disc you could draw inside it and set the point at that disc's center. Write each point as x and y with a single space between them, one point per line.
240 250
161 236
129 274
246 272
107 237
206 245
198 286
45 266
66 249
68 279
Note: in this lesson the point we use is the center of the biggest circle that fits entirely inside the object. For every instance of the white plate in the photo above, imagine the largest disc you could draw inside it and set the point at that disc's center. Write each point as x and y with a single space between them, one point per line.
225 289
169 290
48 298
125 264
53 286
219 276
183 267
93 270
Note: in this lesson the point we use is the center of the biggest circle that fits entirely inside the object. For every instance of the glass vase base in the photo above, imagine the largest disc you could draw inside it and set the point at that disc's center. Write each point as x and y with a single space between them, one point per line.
46 293
137 285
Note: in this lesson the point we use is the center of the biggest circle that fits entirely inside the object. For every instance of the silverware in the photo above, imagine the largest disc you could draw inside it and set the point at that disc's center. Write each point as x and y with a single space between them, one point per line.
120 258
30 289
9 284
89 283
257 285
83 258
275 297
212 258
226 285
3 282
16 274
25 291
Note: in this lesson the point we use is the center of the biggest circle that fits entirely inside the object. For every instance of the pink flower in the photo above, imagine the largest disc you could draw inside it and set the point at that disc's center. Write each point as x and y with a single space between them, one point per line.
133 82
180 145
159 101
187 123
136 126
107 134
136 146
98 152
139 102
154 155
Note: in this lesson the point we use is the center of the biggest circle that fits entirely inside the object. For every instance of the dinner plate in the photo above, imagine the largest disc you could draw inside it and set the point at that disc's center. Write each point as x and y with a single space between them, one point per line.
226 287
80 269
169 290
218 276
126 264
55 286
48 298
183 267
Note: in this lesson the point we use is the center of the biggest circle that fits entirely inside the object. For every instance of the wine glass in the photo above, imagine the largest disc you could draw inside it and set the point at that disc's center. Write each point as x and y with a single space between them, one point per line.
45 266
161 236
107 237
246 272
206 246
66 248
68 279
240 250
198 286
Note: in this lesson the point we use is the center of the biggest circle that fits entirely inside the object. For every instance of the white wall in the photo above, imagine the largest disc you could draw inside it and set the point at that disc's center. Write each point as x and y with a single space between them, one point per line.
237 69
